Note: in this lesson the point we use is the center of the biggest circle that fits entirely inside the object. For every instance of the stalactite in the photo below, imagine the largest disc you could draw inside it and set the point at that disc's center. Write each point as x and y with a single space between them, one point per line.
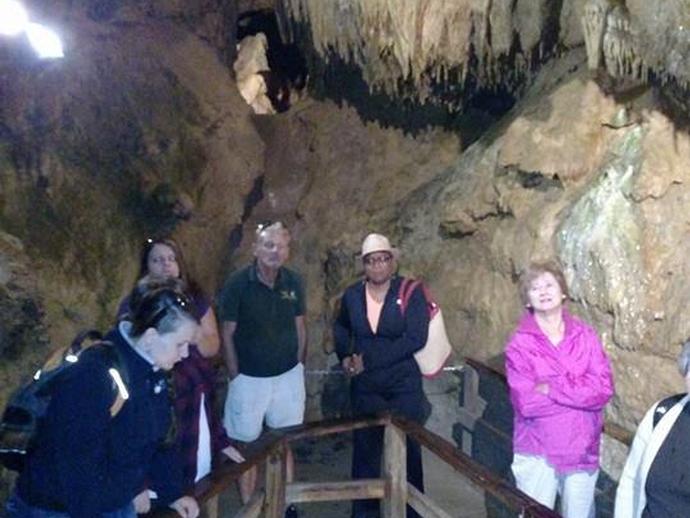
620 55
415 42
593 26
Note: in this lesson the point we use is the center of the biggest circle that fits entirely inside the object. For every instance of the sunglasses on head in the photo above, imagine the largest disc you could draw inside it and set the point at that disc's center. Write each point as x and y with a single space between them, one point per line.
268 223
162 302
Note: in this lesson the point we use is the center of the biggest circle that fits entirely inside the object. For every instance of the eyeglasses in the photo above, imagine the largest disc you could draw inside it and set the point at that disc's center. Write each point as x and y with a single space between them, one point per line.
373 261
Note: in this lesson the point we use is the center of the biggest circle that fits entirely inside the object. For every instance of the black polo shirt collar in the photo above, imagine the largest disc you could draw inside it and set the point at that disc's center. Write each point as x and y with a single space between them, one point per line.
254 276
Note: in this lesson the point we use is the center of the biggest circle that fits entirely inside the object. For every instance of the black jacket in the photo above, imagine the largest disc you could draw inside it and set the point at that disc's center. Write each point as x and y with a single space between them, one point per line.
88 462
388 354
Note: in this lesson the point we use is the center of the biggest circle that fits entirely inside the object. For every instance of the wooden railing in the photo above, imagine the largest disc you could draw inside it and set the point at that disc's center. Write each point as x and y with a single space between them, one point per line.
392 488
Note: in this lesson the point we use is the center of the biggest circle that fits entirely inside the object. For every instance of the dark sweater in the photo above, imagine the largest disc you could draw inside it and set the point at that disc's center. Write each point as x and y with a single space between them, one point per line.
668 481
389 364
86 462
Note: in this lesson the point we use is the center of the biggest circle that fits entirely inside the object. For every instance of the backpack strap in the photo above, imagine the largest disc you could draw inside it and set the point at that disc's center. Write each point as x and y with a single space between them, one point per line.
116 369
664 406
91 335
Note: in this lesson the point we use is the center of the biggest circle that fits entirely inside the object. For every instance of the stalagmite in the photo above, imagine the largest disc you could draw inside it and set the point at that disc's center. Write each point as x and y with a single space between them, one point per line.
249 67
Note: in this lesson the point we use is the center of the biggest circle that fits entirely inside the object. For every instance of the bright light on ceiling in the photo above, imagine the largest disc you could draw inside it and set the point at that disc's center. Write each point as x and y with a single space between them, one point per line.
13 18
45 41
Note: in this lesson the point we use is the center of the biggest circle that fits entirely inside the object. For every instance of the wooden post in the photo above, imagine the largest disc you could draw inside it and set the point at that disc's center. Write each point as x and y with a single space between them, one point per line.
395 472
275 482
472 408
211 507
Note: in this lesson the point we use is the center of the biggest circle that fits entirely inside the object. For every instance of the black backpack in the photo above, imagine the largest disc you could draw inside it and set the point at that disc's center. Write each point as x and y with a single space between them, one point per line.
28 404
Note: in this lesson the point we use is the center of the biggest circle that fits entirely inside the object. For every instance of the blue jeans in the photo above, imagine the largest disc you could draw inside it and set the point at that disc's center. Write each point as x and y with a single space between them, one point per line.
18 508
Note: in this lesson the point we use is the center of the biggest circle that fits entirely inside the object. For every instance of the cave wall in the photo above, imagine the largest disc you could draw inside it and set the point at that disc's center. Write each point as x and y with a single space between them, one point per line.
134 134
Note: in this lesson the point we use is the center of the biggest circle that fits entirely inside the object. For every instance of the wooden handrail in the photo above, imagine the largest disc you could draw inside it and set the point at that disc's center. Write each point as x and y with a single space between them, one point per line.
272 445
227 472
613 430
474 471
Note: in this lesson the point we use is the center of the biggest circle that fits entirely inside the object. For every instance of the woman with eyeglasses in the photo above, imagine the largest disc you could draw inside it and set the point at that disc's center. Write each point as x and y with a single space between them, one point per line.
375 343
200 435
88 463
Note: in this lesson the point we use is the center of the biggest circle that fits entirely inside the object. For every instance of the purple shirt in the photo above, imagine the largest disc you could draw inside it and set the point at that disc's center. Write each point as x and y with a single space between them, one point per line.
564 426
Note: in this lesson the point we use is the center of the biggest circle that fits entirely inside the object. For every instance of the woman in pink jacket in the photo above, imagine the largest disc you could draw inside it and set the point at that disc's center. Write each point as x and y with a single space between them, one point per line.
560 380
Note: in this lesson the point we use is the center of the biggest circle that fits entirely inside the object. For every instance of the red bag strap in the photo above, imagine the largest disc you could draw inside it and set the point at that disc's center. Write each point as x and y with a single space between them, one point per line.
407 287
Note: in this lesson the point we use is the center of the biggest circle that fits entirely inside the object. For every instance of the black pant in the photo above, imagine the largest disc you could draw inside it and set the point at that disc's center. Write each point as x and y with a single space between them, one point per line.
368 443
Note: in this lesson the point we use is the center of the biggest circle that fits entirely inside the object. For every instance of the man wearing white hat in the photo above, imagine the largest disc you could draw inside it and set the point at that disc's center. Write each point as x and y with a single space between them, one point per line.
375 343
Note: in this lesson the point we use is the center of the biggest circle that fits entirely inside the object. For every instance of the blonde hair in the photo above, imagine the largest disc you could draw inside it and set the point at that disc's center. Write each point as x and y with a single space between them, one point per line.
534 270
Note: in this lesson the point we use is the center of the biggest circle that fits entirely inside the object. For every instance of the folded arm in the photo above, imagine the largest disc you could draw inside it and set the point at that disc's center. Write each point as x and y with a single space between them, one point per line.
590 390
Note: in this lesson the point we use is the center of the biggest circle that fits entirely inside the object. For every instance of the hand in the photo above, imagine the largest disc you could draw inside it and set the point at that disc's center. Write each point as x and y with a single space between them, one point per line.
142 502
186 507
353 365
543 388
233 454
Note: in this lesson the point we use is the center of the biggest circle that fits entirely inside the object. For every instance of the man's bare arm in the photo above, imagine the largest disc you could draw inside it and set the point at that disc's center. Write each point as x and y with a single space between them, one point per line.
228 336
301 339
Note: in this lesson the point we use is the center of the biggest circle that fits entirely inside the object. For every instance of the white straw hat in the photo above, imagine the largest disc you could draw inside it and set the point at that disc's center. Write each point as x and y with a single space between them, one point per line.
377 243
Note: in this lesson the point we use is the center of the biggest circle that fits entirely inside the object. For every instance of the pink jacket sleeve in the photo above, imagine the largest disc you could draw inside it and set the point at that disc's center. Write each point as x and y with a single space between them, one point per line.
527 402
591 390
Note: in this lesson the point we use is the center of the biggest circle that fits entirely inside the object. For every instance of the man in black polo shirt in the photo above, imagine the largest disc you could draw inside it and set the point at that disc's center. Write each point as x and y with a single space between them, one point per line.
261 310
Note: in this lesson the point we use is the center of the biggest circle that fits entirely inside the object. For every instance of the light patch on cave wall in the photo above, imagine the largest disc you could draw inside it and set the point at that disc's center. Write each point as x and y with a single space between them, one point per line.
599 245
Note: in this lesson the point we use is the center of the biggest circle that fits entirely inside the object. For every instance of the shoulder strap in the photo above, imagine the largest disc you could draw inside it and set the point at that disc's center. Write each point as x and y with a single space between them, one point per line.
664 406
91 335
117 370
407 287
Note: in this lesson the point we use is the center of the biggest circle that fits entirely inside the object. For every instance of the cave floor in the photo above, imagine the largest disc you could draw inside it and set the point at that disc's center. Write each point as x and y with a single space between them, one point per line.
328 458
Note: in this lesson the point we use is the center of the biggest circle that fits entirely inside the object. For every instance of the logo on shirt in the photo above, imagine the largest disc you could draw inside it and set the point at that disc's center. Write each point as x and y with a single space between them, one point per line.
288 295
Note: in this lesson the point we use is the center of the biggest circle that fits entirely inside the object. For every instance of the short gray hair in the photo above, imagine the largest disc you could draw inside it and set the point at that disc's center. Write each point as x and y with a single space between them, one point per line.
270 227
684 359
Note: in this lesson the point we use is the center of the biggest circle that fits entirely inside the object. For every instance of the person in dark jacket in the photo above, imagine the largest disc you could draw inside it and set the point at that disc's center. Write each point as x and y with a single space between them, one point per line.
376 343
201 438
88 463
654 481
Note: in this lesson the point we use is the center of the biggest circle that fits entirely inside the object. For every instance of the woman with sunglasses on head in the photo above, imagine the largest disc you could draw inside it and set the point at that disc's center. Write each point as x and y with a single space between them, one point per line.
200 435
375 343
89 463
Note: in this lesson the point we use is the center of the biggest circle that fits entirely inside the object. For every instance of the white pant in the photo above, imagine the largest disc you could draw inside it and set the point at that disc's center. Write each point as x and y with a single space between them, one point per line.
277 399
539 480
